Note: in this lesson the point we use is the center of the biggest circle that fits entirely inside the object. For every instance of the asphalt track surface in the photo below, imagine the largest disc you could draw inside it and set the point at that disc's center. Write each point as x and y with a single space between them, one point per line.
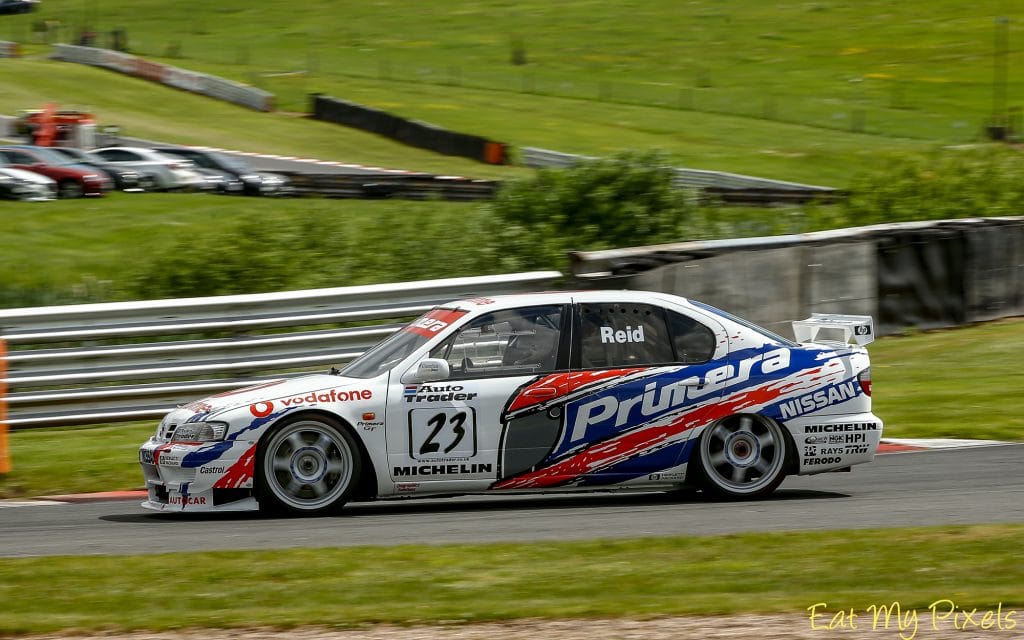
265 162
938 487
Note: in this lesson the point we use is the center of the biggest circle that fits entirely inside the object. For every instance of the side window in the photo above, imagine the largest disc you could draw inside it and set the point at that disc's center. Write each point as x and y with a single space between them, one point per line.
17 157
512 342
623 335
116 155
694 343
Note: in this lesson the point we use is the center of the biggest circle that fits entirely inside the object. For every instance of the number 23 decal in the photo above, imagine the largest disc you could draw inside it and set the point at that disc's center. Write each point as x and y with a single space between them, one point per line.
448 432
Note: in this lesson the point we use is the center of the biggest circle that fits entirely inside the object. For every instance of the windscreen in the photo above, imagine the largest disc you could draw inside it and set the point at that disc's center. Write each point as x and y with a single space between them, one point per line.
400 345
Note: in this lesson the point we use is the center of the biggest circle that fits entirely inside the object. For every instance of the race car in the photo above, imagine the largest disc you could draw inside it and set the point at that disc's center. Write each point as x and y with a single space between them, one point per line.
545 392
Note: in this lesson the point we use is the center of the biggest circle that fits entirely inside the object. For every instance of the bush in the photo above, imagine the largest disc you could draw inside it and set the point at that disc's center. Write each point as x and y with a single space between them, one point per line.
322 248
947 183
626 200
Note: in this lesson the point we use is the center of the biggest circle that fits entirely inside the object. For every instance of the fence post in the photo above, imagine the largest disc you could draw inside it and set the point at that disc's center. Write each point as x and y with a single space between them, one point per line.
5 456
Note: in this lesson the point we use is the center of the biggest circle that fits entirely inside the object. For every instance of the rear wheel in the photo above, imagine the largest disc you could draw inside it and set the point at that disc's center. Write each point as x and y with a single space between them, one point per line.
70 189
308 465
742 456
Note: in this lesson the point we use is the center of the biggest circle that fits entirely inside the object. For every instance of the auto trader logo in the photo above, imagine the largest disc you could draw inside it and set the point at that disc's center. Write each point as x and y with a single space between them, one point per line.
437 393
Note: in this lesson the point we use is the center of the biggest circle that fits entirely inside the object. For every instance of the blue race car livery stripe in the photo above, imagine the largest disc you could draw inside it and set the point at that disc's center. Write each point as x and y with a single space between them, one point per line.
615 425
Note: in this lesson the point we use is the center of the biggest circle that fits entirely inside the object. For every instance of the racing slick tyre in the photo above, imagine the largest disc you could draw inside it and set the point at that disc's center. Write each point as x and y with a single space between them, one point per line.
742 456
308 465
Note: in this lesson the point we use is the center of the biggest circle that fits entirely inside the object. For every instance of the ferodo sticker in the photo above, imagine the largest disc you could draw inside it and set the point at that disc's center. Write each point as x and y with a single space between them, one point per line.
434 322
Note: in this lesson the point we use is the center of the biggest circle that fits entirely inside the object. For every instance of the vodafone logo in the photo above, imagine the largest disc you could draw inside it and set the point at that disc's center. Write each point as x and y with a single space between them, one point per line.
261 409
265 408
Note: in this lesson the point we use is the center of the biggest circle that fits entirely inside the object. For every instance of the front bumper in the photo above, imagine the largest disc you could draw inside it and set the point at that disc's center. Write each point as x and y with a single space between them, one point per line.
208 476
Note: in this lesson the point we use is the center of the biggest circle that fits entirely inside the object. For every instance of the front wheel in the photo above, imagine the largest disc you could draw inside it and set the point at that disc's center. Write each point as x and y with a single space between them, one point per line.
70 189
308 465
742 456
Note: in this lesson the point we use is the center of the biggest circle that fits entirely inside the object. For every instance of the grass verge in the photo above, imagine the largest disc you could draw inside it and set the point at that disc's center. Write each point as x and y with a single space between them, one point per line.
959 383
42 260
975 566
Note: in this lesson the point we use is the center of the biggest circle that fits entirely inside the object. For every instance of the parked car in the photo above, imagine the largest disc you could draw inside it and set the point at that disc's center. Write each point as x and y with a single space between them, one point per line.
253 183
541 392
125 178
18 6
169 173
19 184
219 181
73 180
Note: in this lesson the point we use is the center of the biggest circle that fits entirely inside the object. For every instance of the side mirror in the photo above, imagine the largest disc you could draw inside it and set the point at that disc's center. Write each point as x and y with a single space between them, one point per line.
428 370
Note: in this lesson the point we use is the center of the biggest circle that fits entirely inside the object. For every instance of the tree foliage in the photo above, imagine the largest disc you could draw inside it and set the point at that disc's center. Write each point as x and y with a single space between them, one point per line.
947 183
320 248
626 200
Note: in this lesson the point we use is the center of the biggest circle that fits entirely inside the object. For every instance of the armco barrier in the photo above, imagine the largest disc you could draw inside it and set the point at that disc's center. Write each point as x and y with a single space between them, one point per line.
721 181
5 446
201 83
920 274
83 364
8 126
411 132
335 185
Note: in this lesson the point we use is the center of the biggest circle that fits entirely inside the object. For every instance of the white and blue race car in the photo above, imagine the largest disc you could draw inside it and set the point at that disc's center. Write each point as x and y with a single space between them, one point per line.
539 392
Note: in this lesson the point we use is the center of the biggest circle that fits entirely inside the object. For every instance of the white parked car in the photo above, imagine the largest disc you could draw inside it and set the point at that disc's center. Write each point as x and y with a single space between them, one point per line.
169 173
532 393
29 185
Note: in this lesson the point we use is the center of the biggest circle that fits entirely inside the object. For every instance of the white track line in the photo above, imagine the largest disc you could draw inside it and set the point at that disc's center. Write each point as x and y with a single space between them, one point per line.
8 504
944 443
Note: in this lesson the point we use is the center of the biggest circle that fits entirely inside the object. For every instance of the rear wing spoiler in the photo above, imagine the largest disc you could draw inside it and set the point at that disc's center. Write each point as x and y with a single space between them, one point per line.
836 328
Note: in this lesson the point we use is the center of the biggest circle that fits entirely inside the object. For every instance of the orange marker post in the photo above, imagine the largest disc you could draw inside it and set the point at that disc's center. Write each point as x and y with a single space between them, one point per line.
5 456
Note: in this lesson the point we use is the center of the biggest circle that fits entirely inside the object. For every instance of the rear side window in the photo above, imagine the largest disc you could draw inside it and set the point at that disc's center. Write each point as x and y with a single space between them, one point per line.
694 343
623 335
17 157
117 155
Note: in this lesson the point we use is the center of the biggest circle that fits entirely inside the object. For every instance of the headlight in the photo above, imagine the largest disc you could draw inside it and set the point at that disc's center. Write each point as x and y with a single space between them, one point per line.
200 432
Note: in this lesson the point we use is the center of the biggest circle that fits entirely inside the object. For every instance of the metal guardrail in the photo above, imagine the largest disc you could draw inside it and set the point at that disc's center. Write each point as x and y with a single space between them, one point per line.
9 49
685 178
603 263
201 83
368 186
86 364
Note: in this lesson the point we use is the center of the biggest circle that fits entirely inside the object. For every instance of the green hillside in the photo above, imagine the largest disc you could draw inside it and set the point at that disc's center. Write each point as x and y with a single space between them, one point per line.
807 91
149 110
815 92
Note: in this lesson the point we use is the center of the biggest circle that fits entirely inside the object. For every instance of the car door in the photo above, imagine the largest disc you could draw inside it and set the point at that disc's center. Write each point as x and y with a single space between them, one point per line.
446 436
641 378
